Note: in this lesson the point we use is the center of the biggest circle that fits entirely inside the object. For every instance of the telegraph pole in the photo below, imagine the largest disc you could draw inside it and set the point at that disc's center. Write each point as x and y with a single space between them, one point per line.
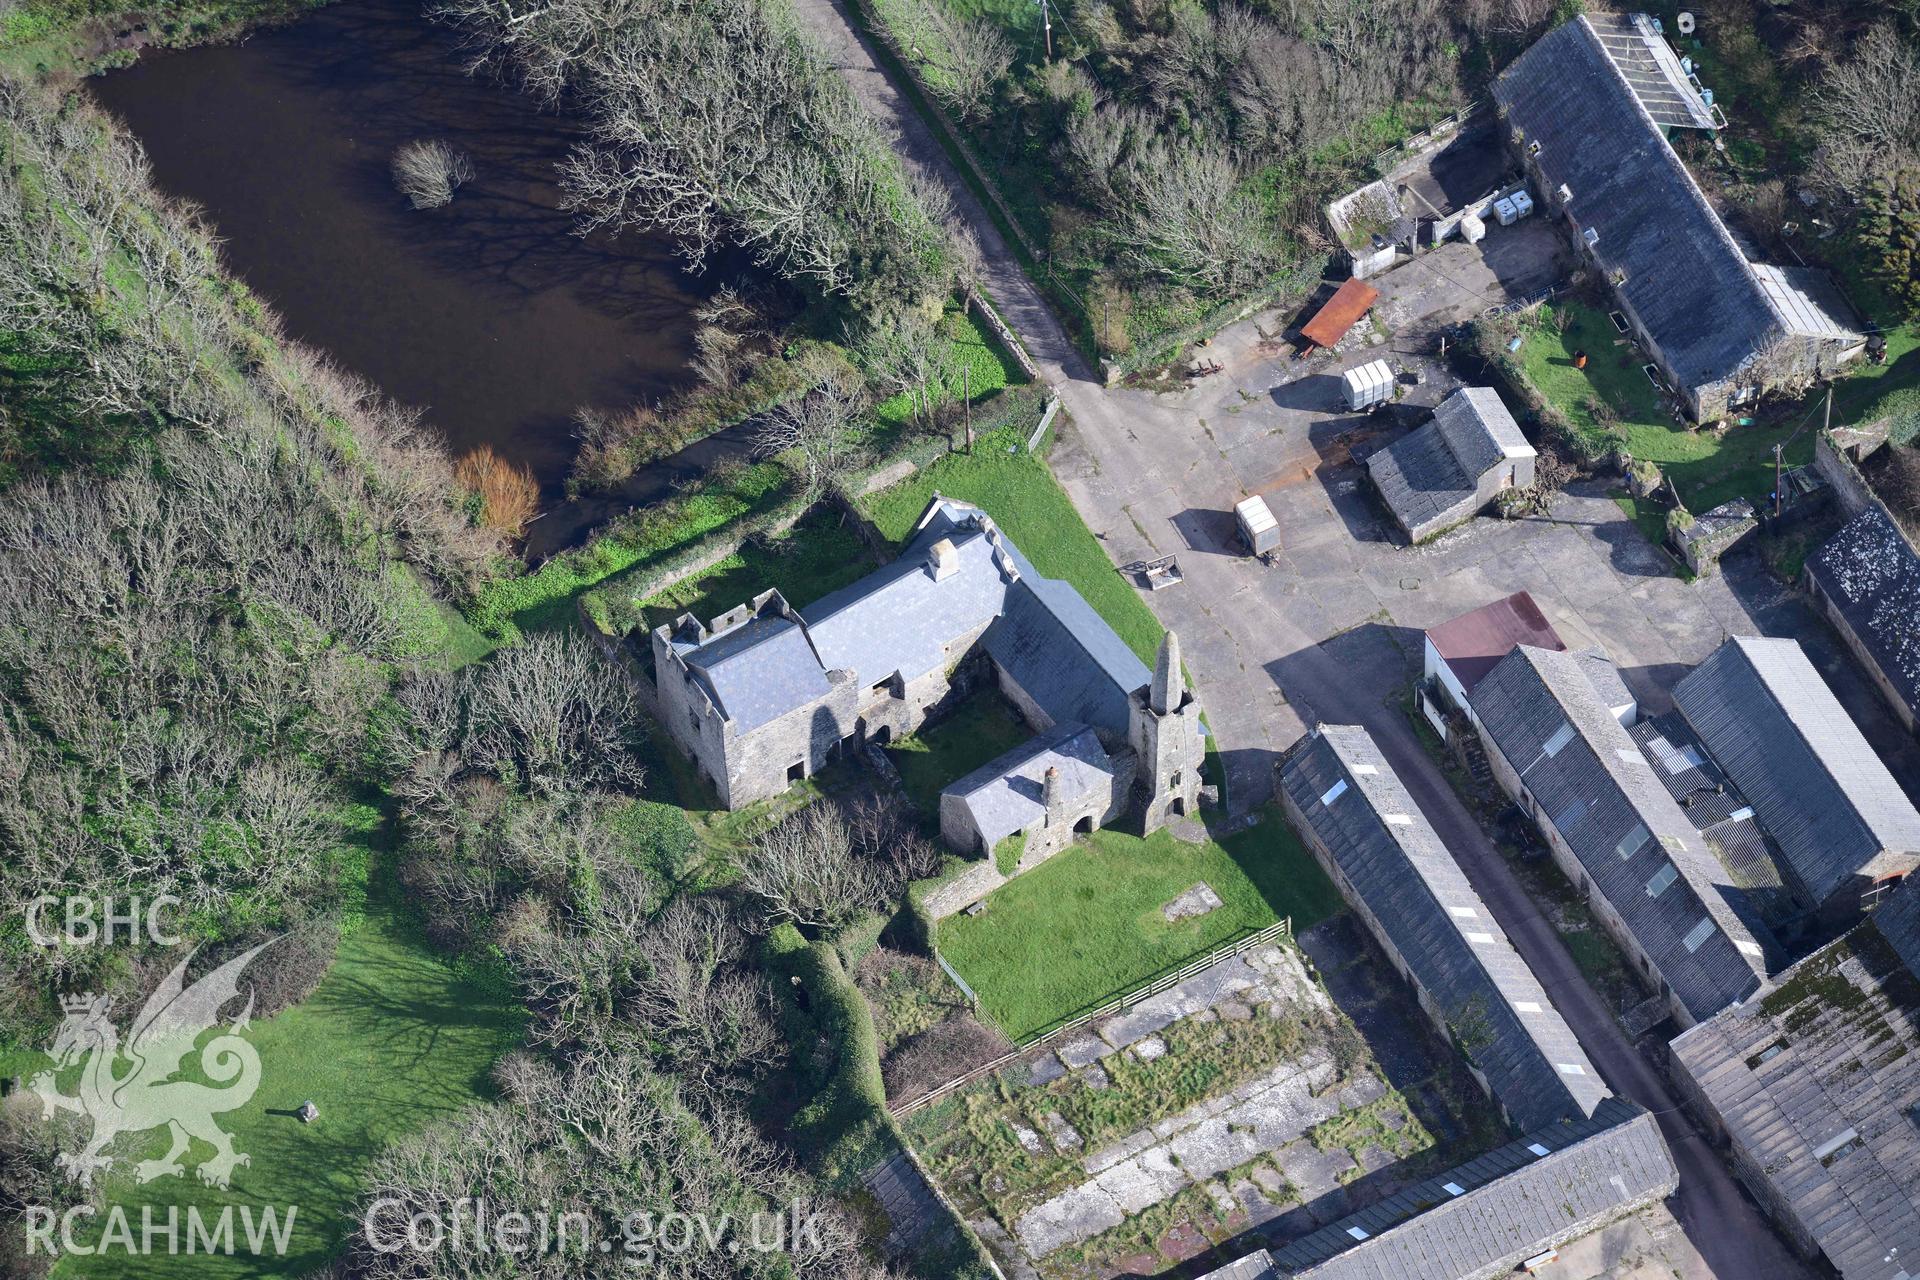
1779 451
1046 23
966 399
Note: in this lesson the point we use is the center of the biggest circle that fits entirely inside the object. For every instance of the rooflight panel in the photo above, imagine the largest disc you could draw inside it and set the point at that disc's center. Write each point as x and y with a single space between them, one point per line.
1632 842
1697 936
1333 793
1561 737
1662 878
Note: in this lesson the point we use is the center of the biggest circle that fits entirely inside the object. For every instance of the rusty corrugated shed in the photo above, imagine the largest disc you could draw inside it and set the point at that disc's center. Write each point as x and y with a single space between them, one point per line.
1348 303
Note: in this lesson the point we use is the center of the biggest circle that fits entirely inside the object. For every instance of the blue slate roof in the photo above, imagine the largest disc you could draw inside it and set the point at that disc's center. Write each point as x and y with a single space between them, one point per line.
900 620
1008 793
759 670
1686 279
1408 880
1817 787
1599 793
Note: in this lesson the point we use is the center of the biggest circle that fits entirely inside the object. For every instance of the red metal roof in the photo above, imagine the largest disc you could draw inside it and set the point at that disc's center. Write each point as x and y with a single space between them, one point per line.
1473 643
1348 303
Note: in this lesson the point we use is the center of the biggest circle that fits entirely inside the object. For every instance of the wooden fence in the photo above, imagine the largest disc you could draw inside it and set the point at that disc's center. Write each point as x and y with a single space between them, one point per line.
1282 928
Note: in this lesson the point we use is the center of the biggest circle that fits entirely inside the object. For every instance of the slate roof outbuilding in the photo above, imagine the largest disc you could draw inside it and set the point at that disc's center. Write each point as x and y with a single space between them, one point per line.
1601 796
1873 578
1817 787
1408 881
1008 793
1430 477
1685 278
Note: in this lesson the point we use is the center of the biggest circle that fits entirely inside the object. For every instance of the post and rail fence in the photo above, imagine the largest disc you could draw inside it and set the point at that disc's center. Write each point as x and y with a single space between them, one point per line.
1281 928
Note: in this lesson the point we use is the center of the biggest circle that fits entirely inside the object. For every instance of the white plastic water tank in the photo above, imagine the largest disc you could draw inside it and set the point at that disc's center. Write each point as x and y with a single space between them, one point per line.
1522 204
1503 210
1368 385
1472 229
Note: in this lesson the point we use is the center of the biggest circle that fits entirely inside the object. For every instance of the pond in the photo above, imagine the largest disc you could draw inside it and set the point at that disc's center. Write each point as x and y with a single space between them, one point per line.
489 314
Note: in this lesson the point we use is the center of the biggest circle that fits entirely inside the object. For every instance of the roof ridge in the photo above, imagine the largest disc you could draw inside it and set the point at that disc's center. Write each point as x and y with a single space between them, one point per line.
1671 159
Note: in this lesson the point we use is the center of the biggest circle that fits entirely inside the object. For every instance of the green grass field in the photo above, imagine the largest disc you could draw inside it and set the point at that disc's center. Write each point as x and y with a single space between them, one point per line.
979 729
1018 491
394 1038
1708 469
1086 927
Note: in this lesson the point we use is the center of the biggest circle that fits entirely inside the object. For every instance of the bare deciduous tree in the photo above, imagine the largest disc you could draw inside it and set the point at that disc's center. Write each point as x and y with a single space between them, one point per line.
1867 109
814 433
427 171
807 872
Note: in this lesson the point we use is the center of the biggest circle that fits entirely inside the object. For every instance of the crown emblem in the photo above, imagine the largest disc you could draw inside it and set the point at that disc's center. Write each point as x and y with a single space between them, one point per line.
77 1003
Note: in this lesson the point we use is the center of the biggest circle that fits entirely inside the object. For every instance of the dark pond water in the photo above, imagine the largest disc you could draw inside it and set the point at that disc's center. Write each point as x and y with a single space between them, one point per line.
489 313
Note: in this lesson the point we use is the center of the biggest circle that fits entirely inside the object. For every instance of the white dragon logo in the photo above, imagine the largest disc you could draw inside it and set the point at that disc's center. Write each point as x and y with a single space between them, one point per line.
146 1096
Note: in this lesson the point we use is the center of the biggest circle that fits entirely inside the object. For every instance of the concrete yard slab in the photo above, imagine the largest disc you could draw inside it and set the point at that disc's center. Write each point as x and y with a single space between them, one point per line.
1312 1172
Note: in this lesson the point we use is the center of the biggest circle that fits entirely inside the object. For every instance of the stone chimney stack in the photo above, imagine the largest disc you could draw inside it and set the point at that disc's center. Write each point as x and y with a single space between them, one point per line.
943 559
1051 797
1168 690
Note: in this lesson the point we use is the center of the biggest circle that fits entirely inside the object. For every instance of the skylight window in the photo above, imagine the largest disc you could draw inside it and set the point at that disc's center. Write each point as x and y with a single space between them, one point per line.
1333 793
1538 1150
1357 1233
1662 878
1697 935
1364 770
1561 737
1631 842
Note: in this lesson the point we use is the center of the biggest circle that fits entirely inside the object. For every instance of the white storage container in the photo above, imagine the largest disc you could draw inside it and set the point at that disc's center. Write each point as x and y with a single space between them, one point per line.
1503 210
1368 385
1473 230
1257 525
1522 203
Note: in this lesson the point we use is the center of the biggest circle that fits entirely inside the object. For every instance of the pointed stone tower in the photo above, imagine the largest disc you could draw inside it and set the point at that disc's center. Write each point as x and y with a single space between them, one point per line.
1168 742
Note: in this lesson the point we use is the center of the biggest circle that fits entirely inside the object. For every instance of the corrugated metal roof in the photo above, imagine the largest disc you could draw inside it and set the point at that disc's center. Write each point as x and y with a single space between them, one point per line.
1650 66
1807 301
1898 919
1513 1203
1816 1079
1008 793
1817 787
1600 794
1873 576
1348 303
1409 882
1473 642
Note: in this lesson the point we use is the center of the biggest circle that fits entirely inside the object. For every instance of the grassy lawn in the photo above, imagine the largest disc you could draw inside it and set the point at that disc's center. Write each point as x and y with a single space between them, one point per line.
1018 491
984 726
395 1037
1708 469
1093 912
987 369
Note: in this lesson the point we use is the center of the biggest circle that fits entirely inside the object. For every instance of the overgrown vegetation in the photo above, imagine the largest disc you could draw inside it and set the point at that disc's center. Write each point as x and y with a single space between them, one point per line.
715 122
1162 160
